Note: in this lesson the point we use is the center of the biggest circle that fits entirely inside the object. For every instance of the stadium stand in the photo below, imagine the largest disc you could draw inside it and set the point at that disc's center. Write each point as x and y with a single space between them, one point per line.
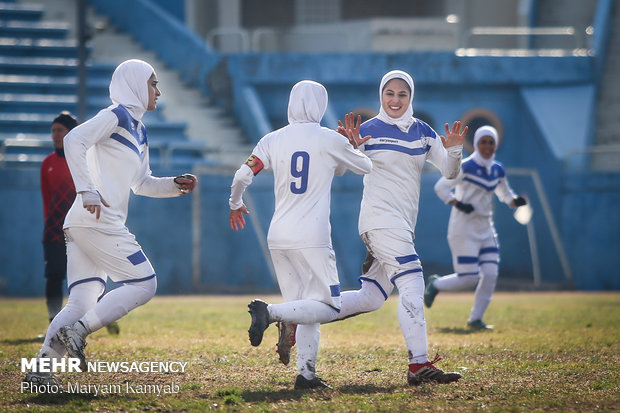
38 79
554 95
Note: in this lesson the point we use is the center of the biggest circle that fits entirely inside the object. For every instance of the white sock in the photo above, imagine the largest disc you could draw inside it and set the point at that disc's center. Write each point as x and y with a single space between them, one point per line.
366 299
81 299
119 302
454 282
307 337
302 312
484 291
411 316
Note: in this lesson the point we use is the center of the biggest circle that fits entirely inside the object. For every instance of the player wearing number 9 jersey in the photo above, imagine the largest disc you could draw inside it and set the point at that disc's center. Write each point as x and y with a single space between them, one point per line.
304 158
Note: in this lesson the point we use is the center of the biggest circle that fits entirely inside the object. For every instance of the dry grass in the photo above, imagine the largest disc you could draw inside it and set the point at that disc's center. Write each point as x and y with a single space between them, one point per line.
549 352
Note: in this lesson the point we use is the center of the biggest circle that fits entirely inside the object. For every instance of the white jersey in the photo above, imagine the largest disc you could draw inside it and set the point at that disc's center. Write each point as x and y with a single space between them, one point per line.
109 153
304 158
475 185
392 189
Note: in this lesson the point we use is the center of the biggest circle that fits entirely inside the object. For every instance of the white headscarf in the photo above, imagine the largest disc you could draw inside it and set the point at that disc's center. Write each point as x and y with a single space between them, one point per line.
478 158
307 102
406 120
129 86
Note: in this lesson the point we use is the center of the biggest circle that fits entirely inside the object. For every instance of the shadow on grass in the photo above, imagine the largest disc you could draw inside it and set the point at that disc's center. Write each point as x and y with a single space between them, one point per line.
273 396
52 399
463 330
18 341
288 395
365 389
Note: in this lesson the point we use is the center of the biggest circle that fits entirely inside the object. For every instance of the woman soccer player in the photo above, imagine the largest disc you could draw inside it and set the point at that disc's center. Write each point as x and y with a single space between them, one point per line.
471 234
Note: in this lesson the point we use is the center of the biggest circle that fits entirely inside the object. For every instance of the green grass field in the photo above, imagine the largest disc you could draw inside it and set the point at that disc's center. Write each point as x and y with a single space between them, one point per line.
548 352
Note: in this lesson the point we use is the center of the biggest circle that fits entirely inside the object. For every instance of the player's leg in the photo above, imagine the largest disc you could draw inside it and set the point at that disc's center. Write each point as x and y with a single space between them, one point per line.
395 250
121 257
375 290
308 280
489 264
308 337
86 285
465 263
55 275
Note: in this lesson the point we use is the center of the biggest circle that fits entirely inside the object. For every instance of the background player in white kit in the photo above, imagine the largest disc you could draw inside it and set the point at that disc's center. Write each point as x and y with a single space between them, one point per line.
471 233
108 156
304 158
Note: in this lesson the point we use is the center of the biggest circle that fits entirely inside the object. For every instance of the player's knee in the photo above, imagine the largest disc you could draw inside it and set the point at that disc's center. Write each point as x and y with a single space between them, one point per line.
489 272
373 299
147 290
83 297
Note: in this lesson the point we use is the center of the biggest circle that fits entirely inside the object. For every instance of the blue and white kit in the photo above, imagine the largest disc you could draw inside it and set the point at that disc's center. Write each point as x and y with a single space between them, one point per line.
471 236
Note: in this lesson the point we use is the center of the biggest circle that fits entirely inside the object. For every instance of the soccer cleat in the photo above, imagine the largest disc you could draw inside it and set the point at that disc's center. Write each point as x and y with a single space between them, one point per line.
41 379
479 325
302 383
286 340
431 292
427 372
74 344
113 328
260 321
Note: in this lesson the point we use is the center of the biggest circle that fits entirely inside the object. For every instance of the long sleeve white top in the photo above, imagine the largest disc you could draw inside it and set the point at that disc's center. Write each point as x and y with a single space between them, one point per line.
392 189
476 185
109 154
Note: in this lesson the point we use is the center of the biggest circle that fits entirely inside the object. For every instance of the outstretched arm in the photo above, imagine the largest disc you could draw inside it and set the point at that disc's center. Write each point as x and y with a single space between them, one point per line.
243 178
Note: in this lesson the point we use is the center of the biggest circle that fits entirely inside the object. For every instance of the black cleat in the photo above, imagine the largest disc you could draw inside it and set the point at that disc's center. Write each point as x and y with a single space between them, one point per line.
430 292
74 344
478 325
42 379
260 321
427 372
302 383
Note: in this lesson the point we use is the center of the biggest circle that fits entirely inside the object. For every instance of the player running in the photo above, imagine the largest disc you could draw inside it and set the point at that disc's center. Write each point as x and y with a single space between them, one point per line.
398 145
471 233
304 158
107 156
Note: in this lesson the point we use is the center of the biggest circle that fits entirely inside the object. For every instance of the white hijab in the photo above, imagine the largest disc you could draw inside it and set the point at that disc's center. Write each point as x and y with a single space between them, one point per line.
478 158
307 102
129 86
406 120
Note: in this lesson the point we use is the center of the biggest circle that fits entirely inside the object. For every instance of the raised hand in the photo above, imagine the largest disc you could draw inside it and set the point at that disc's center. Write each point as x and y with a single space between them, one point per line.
351 129
454 137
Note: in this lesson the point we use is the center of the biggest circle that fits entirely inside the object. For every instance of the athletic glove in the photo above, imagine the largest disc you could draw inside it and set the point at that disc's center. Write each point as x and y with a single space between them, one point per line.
186 182
90 198
466 208
520 201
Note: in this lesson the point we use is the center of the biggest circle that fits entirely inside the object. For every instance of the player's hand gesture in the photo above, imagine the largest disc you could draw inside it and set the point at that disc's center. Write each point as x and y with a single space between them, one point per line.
454 137
92 201
351 129
236 218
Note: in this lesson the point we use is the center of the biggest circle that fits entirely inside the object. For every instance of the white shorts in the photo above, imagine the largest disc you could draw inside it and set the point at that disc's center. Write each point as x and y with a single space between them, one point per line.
473 248
93 255
308 274
394 257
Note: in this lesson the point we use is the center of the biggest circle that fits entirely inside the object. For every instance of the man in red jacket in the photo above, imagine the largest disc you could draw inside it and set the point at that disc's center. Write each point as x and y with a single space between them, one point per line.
58 193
